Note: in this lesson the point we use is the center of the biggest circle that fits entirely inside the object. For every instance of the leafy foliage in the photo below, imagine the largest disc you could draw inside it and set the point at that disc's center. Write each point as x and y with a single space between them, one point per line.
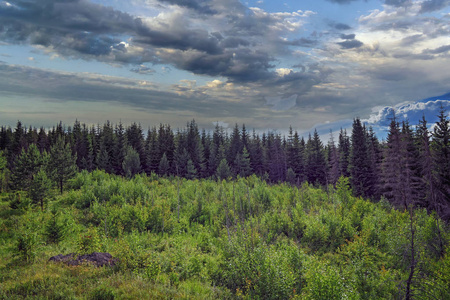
200 239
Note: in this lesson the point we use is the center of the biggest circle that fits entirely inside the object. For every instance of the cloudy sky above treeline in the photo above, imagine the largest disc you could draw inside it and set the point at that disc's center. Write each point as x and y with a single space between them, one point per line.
268 64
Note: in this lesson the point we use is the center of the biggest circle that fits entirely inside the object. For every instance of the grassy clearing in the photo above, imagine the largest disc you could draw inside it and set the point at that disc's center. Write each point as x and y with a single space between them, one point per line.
203 239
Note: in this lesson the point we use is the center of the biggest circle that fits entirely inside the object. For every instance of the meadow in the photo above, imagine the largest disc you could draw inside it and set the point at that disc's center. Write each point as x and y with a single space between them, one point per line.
225 239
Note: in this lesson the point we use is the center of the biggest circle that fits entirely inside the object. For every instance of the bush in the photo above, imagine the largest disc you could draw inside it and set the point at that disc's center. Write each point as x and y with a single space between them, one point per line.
88 242
102 293
55 229
26 247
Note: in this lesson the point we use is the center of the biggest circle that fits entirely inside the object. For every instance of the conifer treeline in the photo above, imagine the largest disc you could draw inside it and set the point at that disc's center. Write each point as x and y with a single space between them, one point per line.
411 167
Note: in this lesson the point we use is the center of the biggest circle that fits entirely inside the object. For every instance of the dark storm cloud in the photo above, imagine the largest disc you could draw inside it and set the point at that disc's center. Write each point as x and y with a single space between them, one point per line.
244 51
234 42
303 42
178 38
350 44
439 50
433 5
412 39
201 6
25 82
142 70
240 65
70 27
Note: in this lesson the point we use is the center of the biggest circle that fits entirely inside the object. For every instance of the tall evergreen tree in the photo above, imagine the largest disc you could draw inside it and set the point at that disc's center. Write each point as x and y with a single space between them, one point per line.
218 140
27 165
277 163
191 171
164 166
106 148
256 154
223 170
166 142
4 173
62 163
6 137
152 149
206 145
40 187
440 146
392 167
42 142
194 147
410 166
316 164
235 147
428 196
120 149
294 152
375 159
17 144
333 162
135 139
344 153
359 163
242 164
131 163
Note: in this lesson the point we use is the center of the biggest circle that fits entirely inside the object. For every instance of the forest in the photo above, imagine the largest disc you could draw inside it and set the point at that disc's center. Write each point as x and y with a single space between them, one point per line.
188 213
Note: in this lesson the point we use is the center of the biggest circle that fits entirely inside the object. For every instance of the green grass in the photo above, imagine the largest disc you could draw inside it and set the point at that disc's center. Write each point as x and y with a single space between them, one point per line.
216 240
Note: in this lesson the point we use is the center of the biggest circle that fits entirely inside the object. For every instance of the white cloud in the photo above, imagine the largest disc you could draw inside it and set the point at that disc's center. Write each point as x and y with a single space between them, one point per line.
283 71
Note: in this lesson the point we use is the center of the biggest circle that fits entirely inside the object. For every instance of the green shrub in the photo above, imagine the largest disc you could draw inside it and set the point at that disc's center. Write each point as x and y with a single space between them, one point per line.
55 229
88 242
324 281
26 245
102 293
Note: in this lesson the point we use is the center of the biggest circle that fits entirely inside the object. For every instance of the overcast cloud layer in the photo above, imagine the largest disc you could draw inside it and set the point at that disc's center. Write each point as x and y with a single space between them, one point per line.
218 60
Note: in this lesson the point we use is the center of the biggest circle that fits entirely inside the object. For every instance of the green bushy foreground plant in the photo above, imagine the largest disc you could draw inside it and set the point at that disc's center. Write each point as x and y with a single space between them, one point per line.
203 239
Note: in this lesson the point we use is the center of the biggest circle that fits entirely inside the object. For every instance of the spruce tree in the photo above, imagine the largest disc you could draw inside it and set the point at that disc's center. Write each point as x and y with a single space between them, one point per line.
4 172
393 183
256 154
164 166
359 163
191 171
218 141
440 146
223 170
152 149
62 164
135 139
42 141
277 160
131 164
344 153
194 147
410 166
120 148
27 165
333 162
235 147
166 142
375 158
316 164
242 164
40 187
428 194
294 153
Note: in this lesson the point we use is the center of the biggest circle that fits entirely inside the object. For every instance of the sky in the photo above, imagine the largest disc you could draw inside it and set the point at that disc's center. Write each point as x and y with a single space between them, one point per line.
268 64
